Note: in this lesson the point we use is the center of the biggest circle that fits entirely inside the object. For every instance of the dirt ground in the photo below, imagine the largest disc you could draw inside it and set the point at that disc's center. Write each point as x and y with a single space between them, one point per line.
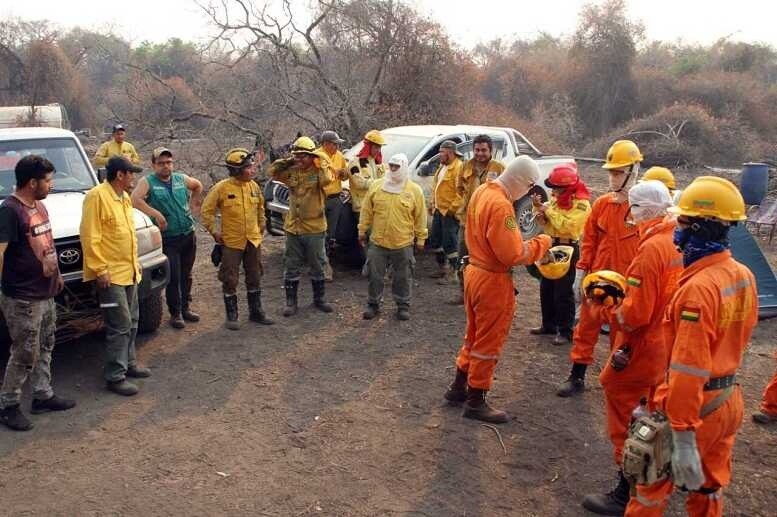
333 415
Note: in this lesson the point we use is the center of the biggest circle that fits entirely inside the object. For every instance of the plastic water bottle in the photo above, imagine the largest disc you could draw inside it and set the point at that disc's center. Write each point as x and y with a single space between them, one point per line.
641 410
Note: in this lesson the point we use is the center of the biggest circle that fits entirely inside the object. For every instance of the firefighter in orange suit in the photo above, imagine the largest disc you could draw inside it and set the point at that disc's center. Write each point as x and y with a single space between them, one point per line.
608 243
495 246
768 412
640 352
709 322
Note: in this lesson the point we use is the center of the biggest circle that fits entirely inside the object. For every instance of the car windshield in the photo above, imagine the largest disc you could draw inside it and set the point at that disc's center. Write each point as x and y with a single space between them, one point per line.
411 145
72 169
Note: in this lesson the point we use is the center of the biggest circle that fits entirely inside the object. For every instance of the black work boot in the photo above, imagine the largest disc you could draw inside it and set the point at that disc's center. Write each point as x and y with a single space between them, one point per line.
52 403
256 313
290 287
14 419
477 408
403 313
189 315
457 391
318 296
611 503
371 312
575 383
176 321
542 331
230 304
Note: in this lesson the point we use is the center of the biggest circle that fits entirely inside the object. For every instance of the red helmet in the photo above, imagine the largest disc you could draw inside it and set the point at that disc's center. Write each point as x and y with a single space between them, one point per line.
562 176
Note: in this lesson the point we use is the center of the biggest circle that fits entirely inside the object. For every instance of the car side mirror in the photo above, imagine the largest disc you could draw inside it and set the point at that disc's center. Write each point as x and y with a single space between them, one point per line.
101 175
426 169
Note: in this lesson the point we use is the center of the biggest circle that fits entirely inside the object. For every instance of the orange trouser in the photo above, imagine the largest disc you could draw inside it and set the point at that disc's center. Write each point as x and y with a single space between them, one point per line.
586 334
715 440
489 302
620 399
769 403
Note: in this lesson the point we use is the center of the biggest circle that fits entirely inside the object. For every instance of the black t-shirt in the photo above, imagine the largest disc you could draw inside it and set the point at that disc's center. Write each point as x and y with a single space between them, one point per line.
30 269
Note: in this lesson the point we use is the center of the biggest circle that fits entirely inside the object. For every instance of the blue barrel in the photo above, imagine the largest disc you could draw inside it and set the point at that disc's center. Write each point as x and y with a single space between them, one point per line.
754 182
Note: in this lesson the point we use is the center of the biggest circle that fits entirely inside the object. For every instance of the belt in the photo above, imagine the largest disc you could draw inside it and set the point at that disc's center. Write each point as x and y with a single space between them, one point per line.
720 383
563 240
467 261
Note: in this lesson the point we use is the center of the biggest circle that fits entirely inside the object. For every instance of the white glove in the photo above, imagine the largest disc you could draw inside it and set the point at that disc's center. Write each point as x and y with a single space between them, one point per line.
686 462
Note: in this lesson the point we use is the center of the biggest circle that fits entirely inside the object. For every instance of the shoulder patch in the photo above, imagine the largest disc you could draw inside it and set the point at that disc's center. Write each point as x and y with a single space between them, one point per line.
510 223
634 281
690 314
580 205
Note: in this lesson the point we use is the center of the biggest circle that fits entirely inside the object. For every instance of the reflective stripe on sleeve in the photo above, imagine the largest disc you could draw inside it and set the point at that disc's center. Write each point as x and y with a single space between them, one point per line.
690 370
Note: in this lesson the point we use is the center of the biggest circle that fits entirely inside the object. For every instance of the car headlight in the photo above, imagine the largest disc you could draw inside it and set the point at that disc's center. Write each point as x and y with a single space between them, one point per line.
149 239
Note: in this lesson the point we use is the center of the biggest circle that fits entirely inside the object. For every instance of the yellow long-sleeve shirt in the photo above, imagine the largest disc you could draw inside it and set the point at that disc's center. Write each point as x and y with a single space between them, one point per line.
306 195
108 236
110 148
241 204
445 197
337 163
470 179
567 224
395 220
360 183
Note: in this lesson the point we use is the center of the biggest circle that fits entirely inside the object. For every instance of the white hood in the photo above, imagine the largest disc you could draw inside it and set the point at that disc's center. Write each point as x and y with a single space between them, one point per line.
65 214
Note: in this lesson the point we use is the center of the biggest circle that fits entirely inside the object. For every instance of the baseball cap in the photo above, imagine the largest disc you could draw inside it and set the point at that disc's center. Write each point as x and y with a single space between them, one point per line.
118 127
119 163
450 144
331 136
159 151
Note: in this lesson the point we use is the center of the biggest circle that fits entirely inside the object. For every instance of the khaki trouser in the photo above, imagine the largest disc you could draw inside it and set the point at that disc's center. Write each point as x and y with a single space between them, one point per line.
229 272
119 307
401 261
31 325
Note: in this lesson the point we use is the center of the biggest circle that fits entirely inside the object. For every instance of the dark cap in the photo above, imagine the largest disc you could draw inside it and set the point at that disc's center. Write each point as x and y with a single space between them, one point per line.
450 144
118 127
118 163
331 136
159 151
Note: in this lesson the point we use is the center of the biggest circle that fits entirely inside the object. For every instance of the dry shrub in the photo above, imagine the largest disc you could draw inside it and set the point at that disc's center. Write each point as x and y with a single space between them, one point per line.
686 135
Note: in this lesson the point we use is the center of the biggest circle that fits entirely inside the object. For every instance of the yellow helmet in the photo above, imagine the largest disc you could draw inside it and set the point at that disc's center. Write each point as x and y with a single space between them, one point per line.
661 174
711 196
604 287
303 145
238 157
375 137
558 267
622 153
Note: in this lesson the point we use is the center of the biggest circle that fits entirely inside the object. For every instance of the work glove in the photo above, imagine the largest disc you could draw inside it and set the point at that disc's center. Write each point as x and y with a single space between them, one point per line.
215 255
686 462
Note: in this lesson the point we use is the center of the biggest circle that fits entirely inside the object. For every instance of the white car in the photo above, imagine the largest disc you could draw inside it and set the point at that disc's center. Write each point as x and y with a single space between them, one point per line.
421 144
77 308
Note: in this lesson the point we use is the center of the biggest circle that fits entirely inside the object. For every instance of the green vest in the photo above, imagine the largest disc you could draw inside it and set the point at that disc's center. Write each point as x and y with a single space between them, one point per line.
174 204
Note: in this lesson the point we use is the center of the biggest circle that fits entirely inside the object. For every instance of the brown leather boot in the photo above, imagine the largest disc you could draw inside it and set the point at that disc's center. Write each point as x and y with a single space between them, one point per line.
477 408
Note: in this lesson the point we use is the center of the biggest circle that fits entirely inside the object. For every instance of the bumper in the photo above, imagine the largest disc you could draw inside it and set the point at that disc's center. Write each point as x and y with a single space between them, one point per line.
156 275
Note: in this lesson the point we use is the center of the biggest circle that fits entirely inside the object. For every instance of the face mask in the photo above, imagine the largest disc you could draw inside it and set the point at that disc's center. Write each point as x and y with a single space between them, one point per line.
396 175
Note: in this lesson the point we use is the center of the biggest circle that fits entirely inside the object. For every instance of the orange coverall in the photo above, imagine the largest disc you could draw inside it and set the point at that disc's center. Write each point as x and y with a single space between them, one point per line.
769 403
637 323
608 243
495 246
709 322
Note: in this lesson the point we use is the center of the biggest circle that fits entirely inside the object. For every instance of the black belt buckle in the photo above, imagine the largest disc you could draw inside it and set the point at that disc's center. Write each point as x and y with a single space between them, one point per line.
720 383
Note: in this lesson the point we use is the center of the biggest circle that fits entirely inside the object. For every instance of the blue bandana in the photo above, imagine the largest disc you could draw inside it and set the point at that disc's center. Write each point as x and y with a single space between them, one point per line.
695 248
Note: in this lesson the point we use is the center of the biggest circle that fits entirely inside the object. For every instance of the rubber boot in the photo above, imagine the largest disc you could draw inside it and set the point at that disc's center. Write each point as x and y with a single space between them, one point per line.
230 304
477 408
457 391
318 296
575 383
291 287
611 503
255 311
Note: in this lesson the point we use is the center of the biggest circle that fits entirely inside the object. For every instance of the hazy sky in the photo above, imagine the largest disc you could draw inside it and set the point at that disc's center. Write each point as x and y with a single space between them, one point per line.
467 21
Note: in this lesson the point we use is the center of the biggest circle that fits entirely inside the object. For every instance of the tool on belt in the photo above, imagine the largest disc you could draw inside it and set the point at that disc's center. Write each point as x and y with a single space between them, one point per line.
647 452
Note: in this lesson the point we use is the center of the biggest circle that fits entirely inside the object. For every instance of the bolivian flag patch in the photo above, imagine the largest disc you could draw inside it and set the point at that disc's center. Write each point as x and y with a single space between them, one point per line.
634 281
689 314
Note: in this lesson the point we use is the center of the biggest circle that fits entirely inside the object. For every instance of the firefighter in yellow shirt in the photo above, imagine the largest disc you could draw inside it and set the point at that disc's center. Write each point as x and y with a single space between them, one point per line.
564 217
116 146
240 201
306 174
330 145
394 212
444 207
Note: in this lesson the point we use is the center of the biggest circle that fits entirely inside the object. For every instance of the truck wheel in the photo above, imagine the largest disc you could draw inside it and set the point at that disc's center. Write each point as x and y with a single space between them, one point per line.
272 224
150 313
523 215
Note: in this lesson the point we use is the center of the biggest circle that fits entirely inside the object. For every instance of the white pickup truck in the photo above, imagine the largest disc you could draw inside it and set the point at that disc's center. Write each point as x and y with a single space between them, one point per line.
421 144
77 308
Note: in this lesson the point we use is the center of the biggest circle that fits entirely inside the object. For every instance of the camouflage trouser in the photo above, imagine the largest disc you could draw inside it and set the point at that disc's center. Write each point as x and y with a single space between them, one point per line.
31 325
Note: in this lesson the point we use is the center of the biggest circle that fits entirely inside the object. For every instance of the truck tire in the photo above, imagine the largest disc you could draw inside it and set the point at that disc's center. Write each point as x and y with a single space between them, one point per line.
272 224
150 316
